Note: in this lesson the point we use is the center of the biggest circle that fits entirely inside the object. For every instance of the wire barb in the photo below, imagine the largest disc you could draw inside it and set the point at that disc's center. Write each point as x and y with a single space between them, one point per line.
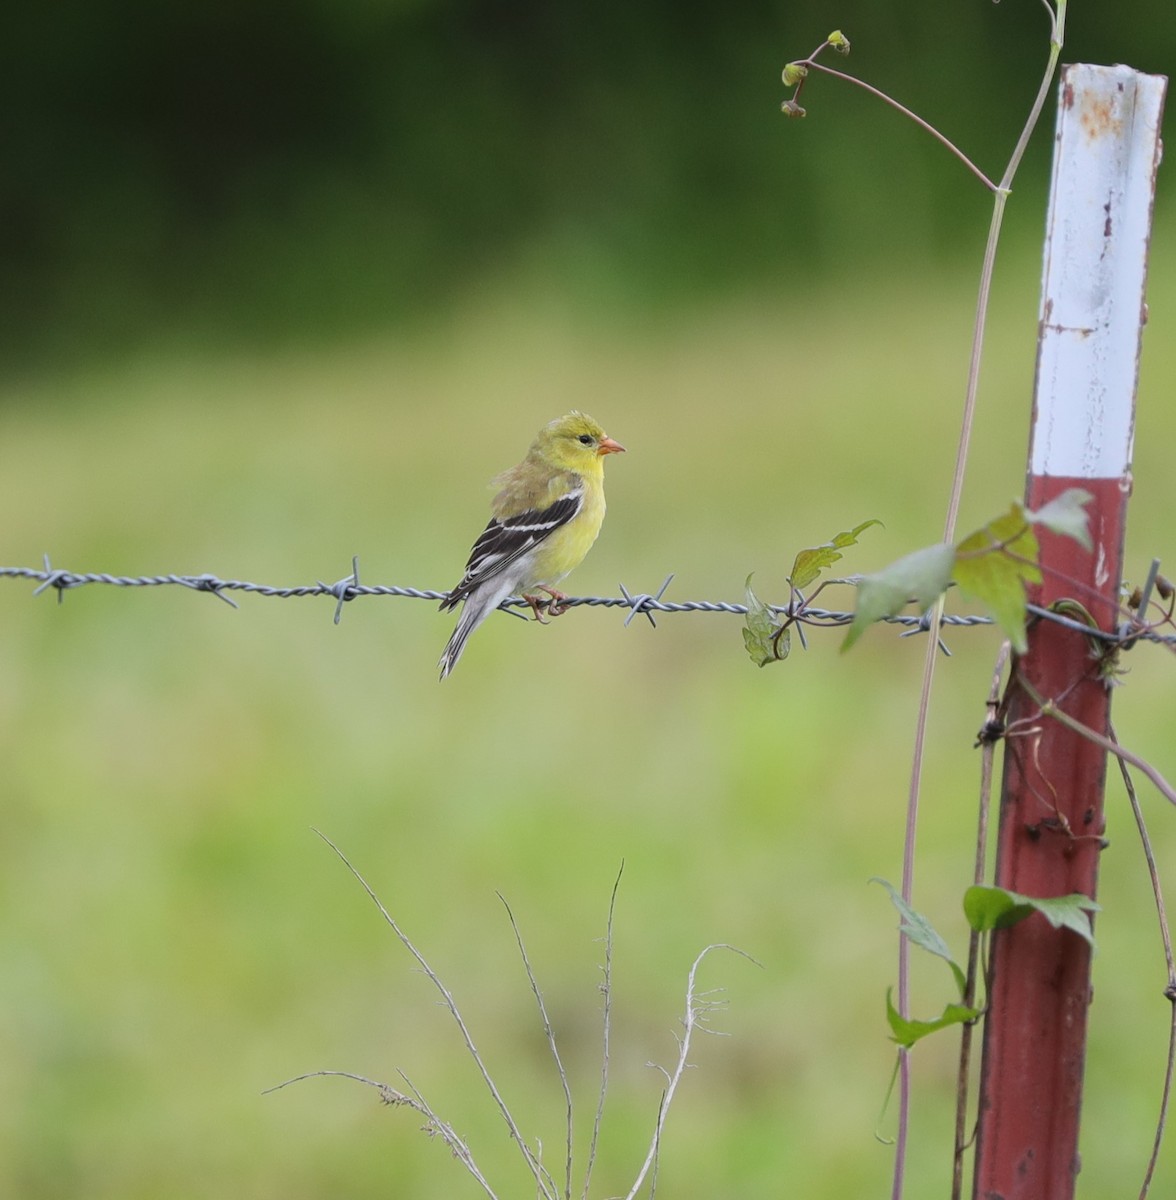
210 583
1129 627
54 579
345 589
924 626
642 602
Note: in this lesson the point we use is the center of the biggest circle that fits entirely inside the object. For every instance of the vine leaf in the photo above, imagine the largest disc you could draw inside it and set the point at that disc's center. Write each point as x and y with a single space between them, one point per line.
809 563
921 576
997 908
766 642
758 627
994 564
1065 514
989 908
1070 912
906 1031
921 932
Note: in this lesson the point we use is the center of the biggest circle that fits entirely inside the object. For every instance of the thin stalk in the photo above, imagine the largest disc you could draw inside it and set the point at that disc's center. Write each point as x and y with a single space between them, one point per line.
988 753
1000 198
1049 708
1170 990
906 112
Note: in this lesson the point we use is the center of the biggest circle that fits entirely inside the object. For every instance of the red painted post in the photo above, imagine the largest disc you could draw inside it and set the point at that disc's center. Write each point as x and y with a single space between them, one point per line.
1051 819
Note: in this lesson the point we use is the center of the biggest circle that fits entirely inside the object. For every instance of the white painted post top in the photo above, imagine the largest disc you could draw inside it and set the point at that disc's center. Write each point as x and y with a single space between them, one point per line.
1092 297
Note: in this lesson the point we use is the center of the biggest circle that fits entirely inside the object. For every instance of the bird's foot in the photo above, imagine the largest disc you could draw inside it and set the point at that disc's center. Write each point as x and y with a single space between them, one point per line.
537 604
558 602
553 607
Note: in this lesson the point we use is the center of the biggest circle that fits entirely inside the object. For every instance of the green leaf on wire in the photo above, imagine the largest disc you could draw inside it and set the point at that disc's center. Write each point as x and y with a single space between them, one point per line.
994 564
919 577
809 563
759 625
762 636
1066 514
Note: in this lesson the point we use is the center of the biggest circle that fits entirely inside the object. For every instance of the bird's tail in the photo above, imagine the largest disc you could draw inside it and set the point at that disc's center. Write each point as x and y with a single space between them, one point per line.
476 609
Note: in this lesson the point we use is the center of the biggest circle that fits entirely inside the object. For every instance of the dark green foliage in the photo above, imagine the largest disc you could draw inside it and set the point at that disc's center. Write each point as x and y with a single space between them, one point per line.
265 170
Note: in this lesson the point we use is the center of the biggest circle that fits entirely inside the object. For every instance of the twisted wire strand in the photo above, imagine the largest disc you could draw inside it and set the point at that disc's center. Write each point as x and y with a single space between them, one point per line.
637 603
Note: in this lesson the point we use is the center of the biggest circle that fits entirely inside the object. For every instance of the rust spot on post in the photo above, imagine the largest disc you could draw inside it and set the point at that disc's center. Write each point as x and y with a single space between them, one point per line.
1098 118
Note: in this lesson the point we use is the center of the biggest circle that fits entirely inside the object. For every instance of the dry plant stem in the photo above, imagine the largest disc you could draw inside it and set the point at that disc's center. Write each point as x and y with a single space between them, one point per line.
1170 990
606 988
987 755
1000 198
550 1034
1049 708
693 1019
389 1095
542 1177
656 1150
448 1135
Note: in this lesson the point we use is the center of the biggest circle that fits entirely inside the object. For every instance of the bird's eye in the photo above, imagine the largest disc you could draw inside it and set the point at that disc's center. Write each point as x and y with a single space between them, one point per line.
585 439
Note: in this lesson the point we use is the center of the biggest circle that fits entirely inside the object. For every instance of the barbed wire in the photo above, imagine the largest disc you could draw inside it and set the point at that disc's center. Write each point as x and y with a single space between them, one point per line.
637 603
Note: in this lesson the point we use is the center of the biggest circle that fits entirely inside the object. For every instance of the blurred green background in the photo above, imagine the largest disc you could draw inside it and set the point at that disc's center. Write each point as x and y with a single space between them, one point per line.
286 284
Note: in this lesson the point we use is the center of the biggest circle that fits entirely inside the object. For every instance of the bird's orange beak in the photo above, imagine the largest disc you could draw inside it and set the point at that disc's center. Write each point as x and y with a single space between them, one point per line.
608 446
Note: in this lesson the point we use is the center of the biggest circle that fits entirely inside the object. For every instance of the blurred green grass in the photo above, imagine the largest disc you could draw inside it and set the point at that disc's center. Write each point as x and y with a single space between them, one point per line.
176 939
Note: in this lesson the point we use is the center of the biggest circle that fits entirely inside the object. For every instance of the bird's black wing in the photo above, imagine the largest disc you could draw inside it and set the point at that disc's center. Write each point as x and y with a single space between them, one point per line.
507 539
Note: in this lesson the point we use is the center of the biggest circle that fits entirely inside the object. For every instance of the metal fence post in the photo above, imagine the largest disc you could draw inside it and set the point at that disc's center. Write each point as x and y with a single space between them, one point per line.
1051 819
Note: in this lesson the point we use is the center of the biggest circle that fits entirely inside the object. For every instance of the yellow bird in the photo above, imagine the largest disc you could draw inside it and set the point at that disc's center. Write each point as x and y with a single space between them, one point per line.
547 514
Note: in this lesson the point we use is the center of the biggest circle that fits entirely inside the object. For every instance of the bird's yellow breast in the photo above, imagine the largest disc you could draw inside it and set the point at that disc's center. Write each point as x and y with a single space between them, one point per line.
566 548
